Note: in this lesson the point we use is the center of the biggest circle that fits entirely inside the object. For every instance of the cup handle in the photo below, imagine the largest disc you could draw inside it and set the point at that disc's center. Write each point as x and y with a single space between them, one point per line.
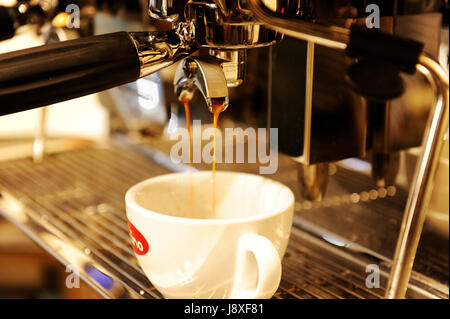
268 268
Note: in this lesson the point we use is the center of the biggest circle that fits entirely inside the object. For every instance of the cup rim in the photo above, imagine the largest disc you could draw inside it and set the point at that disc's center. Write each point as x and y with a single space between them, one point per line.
135 206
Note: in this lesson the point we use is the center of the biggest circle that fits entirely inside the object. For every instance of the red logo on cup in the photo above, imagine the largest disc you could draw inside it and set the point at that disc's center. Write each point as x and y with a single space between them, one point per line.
140 245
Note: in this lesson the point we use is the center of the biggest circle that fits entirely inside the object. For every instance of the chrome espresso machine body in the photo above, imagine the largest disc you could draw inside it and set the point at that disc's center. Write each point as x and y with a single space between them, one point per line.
353 78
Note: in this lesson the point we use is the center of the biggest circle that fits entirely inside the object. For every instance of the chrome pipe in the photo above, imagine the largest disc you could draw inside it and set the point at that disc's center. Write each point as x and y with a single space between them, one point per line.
328 36
40 135
421 189
308 102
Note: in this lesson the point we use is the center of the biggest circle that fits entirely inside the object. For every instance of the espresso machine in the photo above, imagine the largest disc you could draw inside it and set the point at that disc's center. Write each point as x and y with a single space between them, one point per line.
336 85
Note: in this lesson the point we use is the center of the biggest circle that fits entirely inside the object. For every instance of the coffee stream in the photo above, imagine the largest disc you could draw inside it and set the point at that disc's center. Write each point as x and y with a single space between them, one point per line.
217 107
191 186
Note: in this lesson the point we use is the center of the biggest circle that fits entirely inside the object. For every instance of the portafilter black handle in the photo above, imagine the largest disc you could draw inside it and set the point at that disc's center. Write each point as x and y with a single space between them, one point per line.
61 71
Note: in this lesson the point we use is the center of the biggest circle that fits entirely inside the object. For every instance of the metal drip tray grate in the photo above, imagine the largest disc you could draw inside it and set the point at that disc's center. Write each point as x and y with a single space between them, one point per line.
72 205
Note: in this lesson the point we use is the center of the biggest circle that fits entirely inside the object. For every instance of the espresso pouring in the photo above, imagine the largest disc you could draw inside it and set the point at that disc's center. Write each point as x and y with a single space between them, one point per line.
217 108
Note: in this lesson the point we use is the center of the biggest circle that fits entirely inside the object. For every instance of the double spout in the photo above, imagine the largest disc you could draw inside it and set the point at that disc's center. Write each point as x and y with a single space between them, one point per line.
203 74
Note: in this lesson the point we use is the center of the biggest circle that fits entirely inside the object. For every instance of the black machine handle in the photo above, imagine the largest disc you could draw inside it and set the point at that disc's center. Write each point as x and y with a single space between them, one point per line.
61 71
7 24
369 43
381 58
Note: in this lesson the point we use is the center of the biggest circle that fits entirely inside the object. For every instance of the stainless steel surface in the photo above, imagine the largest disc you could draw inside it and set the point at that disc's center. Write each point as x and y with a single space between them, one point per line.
72 205
83 228
233 64
419 196
171 11
205 75
159 49
222 24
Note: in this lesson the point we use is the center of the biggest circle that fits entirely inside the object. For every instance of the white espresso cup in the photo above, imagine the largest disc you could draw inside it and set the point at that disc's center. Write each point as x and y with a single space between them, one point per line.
187 252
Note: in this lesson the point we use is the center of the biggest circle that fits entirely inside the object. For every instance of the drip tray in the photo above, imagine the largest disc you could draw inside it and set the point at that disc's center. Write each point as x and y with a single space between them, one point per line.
72 204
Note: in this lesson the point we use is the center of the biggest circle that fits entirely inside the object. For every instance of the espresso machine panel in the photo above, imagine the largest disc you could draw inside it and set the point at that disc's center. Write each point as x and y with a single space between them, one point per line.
341 124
